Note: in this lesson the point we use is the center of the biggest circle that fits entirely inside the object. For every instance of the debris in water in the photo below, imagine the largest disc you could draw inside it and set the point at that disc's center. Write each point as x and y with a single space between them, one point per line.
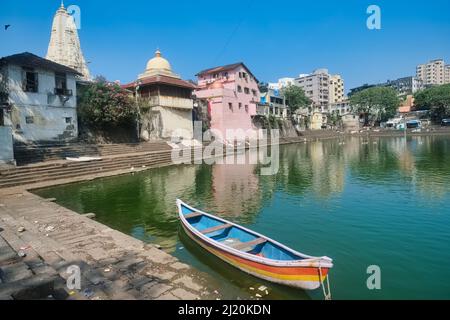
251 288
50 229
262 288
107 270
21 254
21 230
258 295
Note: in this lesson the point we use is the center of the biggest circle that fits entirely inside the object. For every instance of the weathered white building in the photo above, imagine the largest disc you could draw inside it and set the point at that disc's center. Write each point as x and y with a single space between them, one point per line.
64 47
39 103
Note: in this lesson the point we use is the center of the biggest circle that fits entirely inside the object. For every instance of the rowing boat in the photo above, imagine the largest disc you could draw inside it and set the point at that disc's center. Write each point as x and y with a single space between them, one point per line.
252 252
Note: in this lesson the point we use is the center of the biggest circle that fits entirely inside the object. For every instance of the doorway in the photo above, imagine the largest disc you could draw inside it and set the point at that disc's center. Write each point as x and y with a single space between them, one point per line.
2 117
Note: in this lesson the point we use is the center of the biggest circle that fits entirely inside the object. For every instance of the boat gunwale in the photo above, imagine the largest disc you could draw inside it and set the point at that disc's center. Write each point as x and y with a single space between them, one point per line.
307 261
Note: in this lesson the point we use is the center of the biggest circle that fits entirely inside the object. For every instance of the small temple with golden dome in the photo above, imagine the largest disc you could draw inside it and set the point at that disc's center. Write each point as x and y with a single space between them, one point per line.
165 100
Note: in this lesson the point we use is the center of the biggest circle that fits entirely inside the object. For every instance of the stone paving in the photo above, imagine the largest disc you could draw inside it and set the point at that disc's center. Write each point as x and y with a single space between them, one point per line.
113 265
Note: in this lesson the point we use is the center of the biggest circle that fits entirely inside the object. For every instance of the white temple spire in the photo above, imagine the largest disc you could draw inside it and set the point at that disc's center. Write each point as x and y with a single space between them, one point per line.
64 46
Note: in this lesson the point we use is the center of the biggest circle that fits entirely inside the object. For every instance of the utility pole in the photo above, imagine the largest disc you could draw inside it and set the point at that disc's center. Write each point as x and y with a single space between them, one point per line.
138 116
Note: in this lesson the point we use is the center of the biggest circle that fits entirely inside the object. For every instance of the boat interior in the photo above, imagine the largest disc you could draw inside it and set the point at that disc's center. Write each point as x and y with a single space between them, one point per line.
237 238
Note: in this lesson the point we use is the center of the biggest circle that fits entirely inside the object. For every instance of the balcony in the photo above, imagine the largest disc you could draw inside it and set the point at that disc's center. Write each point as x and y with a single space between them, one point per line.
170 102
214 93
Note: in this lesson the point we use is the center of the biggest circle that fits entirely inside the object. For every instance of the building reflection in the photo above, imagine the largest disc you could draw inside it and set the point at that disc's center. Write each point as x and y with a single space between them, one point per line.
235 188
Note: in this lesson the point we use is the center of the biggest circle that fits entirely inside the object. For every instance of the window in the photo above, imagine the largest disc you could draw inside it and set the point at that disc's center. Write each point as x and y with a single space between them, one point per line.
254 92
60 82
30 81
246 108
240 105
68 120
2 118
29 120
239 88
230 106
247 90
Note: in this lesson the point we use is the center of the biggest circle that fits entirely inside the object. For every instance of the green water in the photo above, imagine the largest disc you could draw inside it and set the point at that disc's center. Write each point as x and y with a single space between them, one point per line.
382 202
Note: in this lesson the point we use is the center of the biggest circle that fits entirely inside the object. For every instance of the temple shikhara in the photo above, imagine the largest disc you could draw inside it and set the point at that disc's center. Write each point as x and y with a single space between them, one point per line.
64 47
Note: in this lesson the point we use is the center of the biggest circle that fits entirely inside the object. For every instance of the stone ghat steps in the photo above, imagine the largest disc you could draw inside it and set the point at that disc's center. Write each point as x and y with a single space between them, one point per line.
73 165
102 167
32 154
89 168
108 163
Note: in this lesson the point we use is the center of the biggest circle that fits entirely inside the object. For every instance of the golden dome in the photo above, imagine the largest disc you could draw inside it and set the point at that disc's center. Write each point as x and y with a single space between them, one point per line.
158 63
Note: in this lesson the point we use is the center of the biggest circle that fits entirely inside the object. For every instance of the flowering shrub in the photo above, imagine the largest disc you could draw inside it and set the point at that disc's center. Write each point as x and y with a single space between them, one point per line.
106 104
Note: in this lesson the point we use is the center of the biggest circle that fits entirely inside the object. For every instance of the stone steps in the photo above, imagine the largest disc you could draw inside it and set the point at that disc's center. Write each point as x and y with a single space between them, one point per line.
21 171
33 154
92 168
19 280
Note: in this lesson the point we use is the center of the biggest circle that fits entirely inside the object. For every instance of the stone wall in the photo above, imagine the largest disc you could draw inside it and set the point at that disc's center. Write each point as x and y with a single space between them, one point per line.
6 145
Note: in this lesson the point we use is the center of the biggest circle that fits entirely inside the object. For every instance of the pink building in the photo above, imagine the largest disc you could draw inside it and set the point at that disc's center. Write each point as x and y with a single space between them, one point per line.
232 93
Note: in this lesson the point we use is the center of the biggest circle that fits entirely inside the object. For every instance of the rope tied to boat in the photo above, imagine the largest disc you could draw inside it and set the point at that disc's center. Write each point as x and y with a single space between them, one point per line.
326 291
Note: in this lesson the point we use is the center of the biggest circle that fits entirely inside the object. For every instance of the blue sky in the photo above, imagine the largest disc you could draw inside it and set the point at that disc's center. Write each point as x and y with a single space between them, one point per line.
274 38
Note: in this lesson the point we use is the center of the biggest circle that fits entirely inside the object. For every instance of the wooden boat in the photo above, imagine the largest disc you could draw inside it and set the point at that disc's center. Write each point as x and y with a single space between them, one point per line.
254 253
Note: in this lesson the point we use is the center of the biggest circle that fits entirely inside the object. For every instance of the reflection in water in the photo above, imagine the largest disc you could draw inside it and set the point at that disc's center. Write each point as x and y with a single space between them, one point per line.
362 201
235 189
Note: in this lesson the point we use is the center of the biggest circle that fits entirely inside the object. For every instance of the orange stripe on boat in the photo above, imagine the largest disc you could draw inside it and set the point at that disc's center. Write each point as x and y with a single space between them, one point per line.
283 273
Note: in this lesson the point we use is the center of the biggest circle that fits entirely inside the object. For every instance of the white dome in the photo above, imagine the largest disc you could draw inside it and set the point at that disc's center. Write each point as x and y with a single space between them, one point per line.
158 63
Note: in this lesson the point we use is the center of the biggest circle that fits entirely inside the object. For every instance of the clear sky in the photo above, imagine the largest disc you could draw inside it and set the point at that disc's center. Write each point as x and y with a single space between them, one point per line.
274 38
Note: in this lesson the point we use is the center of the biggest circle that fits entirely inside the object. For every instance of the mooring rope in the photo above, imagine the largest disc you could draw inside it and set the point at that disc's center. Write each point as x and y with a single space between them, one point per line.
327 295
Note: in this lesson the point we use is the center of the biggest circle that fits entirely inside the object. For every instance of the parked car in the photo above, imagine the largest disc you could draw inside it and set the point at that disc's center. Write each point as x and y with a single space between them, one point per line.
414 124
445 123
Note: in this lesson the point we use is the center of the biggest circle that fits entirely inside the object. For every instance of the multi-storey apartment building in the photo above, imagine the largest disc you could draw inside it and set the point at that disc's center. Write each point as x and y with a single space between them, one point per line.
434 72
406 85
447 74
336 89
316 87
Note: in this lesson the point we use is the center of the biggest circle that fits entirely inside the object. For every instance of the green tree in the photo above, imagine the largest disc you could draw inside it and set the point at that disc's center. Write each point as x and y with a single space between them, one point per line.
263 87
296 97
436 99
376 103
106 104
